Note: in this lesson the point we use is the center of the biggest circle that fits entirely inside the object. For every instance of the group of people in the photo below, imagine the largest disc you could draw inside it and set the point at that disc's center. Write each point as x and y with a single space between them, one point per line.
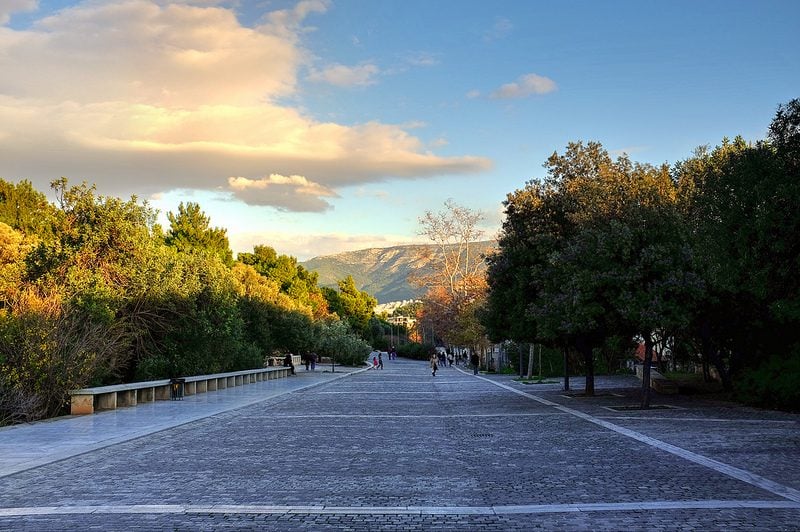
309 359
377 360
441 359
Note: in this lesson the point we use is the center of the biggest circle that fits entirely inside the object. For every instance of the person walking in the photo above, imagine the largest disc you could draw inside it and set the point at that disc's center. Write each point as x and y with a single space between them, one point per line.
380 360
434 364
475 359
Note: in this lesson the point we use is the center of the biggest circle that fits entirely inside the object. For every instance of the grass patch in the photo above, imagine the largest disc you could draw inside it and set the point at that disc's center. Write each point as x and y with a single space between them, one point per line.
536 381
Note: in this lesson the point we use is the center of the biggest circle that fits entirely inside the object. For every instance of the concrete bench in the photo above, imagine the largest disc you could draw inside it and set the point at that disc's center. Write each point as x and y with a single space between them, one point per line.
91 400
658 382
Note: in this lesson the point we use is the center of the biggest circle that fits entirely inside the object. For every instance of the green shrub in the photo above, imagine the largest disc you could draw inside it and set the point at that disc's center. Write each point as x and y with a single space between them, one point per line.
415 351
774 384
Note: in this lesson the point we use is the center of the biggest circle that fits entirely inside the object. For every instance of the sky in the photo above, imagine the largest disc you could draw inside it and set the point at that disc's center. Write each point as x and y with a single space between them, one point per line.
323 126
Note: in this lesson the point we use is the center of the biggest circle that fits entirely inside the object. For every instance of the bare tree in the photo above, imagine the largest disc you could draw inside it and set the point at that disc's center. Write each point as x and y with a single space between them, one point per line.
456 275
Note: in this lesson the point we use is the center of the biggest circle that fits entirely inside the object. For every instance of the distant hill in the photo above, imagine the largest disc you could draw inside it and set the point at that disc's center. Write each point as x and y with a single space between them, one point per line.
381 272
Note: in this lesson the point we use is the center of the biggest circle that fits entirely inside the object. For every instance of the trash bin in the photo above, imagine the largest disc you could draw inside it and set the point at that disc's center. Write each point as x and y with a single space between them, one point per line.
176 389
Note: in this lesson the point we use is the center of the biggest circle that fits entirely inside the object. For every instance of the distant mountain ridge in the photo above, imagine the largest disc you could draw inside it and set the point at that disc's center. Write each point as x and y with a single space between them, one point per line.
381 272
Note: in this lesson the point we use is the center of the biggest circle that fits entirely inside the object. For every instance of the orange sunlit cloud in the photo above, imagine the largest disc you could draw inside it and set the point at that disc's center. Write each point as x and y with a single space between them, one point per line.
184 96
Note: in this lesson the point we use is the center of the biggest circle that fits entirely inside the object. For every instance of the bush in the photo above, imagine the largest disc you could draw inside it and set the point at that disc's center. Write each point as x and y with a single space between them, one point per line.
774 384
416 351
17 406
48 349
342 345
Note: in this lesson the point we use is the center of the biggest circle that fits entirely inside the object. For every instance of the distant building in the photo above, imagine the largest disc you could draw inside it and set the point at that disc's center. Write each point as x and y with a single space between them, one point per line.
405 321
392 306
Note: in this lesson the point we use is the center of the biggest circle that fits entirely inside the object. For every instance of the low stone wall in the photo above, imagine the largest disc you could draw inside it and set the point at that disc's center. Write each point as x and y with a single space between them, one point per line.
91 400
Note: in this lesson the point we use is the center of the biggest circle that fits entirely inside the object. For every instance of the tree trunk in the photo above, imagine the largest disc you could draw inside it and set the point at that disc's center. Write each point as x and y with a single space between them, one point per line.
530 361
648 361
540 361
566 369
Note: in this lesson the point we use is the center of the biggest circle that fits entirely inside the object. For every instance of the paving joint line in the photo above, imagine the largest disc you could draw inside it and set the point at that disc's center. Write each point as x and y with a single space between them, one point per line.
721 467
253 509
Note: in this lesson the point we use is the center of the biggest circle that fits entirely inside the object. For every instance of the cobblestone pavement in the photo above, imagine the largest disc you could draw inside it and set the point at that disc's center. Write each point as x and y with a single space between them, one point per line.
398 449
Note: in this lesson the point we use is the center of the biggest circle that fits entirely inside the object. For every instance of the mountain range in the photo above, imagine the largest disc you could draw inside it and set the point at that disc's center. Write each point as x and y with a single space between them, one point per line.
381 272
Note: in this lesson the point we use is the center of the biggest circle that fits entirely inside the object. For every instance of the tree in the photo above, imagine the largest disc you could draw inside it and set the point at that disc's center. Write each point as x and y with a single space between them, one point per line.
740 204
190 232
532 229
457 275
292 278
26 209
352 305
581 254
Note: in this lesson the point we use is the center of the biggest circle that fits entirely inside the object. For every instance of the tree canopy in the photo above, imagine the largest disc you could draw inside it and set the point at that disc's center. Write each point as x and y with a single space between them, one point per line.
705 252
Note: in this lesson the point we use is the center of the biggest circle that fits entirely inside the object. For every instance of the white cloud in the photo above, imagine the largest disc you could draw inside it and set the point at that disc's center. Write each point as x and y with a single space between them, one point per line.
292 193
142 97
141 53
422 59
287 22
525 86
346 76
500 29
474 93
7 7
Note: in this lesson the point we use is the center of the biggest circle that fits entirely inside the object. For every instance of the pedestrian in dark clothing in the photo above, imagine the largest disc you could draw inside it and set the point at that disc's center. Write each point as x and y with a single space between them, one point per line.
380 360
434 364
475 359
287 362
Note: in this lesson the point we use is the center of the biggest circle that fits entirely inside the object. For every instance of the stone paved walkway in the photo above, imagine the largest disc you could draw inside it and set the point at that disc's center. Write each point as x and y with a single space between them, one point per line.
397 449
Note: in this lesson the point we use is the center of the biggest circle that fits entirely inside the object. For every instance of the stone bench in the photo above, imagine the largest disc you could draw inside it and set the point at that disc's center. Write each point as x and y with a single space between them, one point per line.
658 382
91 400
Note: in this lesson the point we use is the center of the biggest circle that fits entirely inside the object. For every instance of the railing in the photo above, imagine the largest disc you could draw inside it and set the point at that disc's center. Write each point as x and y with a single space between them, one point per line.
91 400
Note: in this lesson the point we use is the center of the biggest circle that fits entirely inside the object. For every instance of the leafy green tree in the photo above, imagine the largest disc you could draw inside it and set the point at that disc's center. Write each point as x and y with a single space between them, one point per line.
292 278
532 229
339 342
190 231
354 306
13 248
26 209
740 201
582 254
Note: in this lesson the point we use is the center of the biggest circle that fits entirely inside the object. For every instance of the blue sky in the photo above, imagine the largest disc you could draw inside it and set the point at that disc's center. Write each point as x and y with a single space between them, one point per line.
323 126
